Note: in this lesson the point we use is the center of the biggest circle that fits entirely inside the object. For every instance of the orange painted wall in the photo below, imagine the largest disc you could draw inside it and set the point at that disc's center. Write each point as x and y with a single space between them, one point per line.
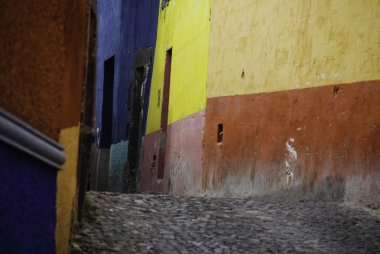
296 86
42 70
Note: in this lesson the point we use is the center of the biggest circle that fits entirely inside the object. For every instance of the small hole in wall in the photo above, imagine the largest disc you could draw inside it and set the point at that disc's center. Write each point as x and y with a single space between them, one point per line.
220 133
153 164
242 74
336 90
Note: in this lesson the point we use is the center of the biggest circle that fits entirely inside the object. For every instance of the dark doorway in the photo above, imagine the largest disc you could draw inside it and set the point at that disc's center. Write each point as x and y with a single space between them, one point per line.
135 107
105 136
164 115
107 106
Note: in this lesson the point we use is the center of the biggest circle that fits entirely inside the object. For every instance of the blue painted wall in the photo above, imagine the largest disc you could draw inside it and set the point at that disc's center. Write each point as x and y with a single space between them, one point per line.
27 203
124 26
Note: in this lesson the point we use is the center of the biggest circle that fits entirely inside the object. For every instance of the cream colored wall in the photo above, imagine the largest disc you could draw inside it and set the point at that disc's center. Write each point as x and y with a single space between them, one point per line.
289 44
183 26
67 189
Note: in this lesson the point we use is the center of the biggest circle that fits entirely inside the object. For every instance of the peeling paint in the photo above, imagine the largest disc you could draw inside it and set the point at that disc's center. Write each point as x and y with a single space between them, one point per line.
291 158
330 163
289 174
291 149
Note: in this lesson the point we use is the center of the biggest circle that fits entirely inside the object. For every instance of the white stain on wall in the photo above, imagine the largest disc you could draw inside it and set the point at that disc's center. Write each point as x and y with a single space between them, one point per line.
291 158
290 147
289 173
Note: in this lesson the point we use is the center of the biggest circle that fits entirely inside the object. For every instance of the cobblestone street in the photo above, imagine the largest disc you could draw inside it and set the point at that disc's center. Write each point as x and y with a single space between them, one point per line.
165 224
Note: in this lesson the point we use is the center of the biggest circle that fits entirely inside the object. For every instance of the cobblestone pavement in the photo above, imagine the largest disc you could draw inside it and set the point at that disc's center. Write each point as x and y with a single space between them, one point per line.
166 224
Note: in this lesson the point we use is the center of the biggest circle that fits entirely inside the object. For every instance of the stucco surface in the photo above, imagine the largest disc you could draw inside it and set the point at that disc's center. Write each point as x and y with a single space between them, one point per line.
118 158
320 141
27 203
76 33
108 45
184 155
183 158
42 72
33 62
124 27
184 26
263 46
149 166
67 189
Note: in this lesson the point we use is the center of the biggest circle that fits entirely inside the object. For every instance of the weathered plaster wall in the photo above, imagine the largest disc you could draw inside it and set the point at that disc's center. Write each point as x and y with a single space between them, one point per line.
149 165
263 46
295 85
321 142
42 70
184 26
184 155
183 170
76 33
108 45
118 158
145 35
27 203
67 189
124 28
33 62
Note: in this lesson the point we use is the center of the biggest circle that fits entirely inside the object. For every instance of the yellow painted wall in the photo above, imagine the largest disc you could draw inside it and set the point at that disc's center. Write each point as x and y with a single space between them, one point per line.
67 189
183 26
288 44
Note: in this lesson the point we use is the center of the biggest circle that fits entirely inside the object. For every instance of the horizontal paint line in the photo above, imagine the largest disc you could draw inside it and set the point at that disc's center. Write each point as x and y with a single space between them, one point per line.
193 115
292 89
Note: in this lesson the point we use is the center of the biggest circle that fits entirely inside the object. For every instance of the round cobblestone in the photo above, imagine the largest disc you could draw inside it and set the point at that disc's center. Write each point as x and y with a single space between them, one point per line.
165 224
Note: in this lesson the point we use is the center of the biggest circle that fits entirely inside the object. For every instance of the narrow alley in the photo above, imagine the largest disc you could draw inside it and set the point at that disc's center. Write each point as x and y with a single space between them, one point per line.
190 126
122 223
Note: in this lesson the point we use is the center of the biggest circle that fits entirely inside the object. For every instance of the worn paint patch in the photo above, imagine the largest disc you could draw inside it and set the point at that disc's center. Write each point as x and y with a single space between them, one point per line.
67 189
290 160
184 155
183 161
334 155
118 158
149 165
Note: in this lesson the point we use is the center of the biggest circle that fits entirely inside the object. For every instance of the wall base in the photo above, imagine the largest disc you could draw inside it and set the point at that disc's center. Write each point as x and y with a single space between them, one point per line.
321 142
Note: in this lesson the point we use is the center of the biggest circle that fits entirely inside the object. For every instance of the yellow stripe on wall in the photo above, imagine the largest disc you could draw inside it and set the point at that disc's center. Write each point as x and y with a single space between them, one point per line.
67 189
272 45
183 26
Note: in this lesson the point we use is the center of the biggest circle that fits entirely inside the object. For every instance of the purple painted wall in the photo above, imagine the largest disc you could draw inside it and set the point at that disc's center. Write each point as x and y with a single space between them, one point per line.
27 203
124 27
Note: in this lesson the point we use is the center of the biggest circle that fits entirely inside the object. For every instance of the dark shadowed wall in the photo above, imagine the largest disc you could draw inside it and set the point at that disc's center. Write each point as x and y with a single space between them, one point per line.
124 27
27 203
42 70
